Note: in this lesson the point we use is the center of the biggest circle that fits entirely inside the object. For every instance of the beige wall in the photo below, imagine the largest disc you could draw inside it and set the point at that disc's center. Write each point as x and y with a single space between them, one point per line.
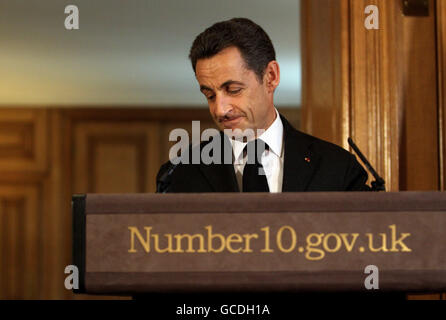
133 54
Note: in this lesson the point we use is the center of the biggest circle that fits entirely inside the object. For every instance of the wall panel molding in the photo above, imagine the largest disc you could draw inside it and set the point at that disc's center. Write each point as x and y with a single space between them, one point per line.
20 240
120 157
23 140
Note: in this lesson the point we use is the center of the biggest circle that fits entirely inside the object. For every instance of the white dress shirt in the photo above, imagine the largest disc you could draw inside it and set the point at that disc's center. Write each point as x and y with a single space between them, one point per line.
271 160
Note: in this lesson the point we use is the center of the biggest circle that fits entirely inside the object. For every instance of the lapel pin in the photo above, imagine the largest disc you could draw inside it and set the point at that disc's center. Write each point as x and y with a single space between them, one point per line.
307 159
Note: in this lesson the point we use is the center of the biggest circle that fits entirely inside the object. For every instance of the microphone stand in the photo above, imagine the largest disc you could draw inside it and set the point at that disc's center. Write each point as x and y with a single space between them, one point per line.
379 183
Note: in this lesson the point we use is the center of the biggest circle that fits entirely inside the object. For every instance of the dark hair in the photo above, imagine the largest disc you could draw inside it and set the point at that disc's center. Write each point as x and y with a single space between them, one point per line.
254 44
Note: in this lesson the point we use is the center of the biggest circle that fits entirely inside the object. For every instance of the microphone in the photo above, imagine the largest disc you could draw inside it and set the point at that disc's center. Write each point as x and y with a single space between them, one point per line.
164 181
378 184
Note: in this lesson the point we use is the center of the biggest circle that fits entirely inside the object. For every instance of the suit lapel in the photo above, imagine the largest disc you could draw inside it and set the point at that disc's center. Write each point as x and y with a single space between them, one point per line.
299 161
221 177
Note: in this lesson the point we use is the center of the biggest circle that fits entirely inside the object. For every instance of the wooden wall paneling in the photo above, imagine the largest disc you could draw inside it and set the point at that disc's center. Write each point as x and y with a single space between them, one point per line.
419 151
125 114
374 84
115 157
387 95
441 62
46 155
394 97
23 140
325 85
56 229
440 14
23 168
11 220
61 228
167 118
20 240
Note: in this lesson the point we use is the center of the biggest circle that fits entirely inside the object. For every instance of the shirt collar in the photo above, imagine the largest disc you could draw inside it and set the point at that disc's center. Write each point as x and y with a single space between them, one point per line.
273 136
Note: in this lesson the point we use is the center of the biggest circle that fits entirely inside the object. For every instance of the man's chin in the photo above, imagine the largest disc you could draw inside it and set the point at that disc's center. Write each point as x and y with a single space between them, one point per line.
233 129
239 132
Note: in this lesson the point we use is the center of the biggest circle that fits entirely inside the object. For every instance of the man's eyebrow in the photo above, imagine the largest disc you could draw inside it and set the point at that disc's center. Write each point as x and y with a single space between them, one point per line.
225 84
204 88
229 82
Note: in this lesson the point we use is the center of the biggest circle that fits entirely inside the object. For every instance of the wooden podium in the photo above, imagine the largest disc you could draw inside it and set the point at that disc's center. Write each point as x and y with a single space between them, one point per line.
236 242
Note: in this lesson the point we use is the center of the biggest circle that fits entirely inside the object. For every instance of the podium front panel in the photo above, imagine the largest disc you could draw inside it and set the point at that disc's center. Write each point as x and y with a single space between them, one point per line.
285 242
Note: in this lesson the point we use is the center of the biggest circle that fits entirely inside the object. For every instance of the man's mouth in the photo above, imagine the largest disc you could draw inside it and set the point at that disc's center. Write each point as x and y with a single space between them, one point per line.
229 122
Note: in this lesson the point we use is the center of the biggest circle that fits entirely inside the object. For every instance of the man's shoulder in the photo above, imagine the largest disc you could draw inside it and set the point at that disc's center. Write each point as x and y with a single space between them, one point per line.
336 169
307 142
321 147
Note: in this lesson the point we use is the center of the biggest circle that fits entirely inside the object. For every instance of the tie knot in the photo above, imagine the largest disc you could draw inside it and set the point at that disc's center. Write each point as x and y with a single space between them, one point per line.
254 150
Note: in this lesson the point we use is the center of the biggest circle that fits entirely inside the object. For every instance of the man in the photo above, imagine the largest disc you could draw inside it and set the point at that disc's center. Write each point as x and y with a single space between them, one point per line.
235 65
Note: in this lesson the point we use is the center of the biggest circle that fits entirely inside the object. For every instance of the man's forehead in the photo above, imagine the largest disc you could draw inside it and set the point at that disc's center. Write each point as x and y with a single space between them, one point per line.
227 64
230 57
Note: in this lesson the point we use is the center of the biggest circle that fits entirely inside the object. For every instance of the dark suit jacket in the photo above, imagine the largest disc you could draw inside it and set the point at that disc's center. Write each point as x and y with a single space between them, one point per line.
310 164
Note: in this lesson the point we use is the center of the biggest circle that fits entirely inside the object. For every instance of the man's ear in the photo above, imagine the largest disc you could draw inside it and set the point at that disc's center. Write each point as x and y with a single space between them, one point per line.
272 76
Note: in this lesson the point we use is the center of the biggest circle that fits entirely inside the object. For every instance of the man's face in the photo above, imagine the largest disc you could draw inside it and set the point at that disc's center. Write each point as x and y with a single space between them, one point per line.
236 98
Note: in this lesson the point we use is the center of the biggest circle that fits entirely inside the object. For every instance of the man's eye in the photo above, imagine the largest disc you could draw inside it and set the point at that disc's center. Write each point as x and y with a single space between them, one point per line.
234 91
210 97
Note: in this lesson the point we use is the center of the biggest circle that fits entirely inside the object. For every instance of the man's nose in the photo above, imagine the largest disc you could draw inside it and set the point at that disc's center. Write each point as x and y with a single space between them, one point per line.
222 105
